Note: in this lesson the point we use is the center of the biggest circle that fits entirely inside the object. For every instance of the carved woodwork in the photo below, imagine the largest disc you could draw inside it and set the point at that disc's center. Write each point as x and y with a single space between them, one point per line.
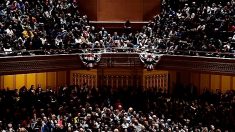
197 64
29 64
84 79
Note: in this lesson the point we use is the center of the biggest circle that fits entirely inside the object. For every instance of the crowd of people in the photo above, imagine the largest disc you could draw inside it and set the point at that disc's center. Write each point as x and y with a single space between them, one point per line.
56 26
207 26
81 108
41 24
197 28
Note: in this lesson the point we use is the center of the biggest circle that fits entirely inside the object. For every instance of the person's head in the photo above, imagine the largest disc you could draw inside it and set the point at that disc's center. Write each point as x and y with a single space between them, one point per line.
81 130
32 87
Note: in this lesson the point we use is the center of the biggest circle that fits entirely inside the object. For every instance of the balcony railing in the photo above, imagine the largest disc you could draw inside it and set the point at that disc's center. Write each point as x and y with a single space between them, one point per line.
116 51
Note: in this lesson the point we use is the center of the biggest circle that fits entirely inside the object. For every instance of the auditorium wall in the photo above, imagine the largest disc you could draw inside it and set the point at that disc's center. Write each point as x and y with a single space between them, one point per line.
123 77
44 79
155 79
89 8
120 10
120 77
202 81
84 77
112 77
150 8
147 79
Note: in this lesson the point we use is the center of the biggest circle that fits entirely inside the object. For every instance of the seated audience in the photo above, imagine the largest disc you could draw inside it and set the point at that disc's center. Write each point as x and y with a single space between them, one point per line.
81 108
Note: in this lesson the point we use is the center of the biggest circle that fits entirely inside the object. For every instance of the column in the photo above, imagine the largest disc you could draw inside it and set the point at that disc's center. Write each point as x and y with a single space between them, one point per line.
147 82
154 83
117 81
158 82
132 80
111 81
127 81
150 81
80 80
107 80
122 81
74 79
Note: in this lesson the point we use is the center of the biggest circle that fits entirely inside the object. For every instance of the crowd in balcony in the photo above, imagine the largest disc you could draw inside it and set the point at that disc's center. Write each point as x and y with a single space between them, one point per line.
204 26
58 24
81 108
41 24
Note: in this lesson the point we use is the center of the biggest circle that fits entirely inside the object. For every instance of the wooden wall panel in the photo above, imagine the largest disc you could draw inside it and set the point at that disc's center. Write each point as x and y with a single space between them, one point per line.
215 82
31 80
9 82
172 80
184 77
111 10
157 79
150 9
195 79
44 79
127 77
41 80
1 82
121 77
133 10
20 80
120 71
51 79
204 82
233 83
88 7
226 83
81 77
120 10
61 78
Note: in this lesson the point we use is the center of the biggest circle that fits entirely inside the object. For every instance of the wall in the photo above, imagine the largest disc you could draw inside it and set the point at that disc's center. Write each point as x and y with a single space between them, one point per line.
125 77
120 77
112 77
89 8
44 79
155 79
116 78
82 77
202 81
120 10
150 9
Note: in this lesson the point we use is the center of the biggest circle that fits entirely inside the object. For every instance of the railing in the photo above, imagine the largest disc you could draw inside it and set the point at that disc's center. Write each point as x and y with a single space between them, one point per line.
116 50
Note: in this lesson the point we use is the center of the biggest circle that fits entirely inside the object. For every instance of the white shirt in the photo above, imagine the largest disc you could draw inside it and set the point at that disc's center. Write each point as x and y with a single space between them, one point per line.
9 32
43 40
